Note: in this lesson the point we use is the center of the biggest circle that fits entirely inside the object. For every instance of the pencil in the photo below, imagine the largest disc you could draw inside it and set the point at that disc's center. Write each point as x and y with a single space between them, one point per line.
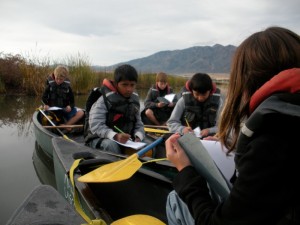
118 129
187 123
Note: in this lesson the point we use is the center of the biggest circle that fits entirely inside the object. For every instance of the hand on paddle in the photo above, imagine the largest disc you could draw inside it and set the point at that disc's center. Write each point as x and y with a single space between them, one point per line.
46 107
175 153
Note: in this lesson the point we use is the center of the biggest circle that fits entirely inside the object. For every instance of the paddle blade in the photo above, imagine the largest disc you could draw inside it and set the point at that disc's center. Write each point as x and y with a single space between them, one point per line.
112 172
138 220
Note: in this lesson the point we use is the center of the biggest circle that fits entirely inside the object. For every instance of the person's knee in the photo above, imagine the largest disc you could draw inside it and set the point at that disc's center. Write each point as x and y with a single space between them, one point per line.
110 146
79 113
148 112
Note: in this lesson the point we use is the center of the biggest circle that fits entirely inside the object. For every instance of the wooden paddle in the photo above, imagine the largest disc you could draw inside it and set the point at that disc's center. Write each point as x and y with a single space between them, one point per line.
153 130
119 170
50 121
156 126
64 126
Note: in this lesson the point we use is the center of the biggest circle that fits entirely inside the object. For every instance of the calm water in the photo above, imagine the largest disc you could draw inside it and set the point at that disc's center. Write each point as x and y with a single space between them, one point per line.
22 164
17 170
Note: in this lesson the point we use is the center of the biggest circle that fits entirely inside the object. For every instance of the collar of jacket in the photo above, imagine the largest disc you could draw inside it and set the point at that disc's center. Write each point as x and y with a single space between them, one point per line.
286 81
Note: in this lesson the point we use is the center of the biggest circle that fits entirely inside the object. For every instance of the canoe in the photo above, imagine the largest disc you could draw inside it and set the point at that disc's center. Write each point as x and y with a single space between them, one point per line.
109 201
44 134
144 193
44 205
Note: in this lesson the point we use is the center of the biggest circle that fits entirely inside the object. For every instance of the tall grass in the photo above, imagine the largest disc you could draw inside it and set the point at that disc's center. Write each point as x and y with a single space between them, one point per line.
27 75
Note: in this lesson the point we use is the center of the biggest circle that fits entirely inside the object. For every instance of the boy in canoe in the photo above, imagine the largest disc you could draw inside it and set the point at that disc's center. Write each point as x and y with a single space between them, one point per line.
115 116
58 93
157 112
198 107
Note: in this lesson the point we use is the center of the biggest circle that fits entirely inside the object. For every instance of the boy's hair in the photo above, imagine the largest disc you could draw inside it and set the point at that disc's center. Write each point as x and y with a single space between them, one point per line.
161 77
61 72
201 82
125 72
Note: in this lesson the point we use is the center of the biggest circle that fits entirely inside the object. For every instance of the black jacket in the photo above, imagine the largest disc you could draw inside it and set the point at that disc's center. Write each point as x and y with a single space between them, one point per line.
267 189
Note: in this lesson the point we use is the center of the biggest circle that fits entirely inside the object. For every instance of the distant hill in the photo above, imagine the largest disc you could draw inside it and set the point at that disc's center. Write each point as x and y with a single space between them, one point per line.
207 59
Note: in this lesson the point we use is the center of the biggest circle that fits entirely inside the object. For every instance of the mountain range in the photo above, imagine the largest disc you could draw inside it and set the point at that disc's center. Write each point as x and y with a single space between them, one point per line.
206 59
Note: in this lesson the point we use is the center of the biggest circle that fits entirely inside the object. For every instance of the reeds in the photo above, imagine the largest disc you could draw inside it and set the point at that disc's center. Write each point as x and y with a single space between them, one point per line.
27 75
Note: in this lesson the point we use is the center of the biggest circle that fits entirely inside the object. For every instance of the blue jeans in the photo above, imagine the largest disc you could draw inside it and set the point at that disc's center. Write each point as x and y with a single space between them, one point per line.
177 211
69 115
105 144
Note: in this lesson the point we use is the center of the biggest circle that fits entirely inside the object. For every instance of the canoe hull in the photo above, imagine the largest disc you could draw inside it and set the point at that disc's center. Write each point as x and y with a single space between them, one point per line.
43 136
44 205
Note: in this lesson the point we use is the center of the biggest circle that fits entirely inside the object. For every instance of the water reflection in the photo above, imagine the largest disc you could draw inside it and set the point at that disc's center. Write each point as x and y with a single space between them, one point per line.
16 111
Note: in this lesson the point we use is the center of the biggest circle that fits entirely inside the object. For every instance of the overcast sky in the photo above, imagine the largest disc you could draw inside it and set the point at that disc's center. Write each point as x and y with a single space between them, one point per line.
113 31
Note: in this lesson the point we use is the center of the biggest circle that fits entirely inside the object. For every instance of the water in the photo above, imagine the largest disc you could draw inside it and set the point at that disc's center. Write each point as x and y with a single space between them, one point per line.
17 170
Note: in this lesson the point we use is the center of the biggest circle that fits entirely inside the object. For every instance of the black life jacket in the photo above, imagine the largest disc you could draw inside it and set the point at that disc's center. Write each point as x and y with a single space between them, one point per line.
59 94
122 111
202 114
156 92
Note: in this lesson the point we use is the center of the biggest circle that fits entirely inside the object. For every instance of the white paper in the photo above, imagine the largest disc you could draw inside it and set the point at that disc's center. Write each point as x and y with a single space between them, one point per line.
132 144
225 163
197 132
205 164
170 97
55 108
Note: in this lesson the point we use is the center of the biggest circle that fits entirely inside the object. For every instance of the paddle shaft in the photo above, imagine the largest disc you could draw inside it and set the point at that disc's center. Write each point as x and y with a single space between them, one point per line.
150 146
155 126
64 126
54 124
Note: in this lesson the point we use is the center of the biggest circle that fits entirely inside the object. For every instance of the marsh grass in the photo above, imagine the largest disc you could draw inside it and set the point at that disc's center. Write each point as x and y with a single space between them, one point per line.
27 75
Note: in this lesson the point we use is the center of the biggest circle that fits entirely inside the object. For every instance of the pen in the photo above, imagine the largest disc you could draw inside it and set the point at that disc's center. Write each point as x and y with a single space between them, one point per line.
118 129
187 123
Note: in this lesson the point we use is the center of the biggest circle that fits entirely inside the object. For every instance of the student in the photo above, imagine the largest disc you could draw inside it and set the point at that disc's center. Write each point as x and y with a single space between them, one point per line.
156 112
59 93
118 106
264 95
198 107
51 78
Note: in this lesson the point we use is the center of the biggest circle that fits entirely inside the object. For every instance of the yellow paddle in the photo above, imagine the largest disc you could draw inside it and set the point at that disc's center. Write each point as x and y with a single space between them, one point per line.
50 121
138 220
120 170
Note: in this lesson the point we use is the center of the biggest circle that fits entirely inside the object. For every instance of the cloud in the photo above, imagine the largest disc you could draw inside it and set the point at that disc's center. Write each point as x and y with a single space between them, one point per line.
114 31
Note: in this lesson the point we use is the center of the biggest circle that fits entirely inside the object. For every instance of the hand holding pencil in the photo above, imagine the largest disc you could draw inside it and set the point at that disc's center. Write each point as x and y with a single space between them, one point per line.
188 128
121 136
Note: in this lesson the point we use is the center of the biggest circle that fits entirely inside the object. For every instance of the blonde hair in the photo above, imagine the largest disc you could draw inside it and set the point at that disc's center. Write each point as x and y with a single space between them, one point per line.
161 77
61 72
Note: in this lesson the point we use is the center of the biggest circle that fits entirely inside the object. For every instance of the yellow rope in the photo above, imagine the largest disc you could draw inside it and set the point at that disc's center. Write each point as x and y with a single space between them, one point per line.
155 160
77 202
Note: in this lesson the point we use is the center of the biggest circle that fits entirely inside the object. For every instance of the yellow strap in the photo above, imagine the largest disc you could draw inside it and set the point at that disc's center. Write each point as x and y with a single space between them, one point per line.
76 200
155 160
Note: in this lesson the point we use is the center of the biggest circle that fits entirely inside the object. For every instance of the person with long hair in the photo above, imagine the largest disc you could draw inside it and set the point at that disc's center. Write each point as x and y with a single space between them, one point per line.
258 123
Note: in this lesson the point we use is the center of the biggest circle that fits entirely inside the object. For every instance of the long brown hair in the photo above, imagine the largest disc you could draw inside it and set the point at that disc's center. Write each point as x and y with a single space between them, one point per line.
260 57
